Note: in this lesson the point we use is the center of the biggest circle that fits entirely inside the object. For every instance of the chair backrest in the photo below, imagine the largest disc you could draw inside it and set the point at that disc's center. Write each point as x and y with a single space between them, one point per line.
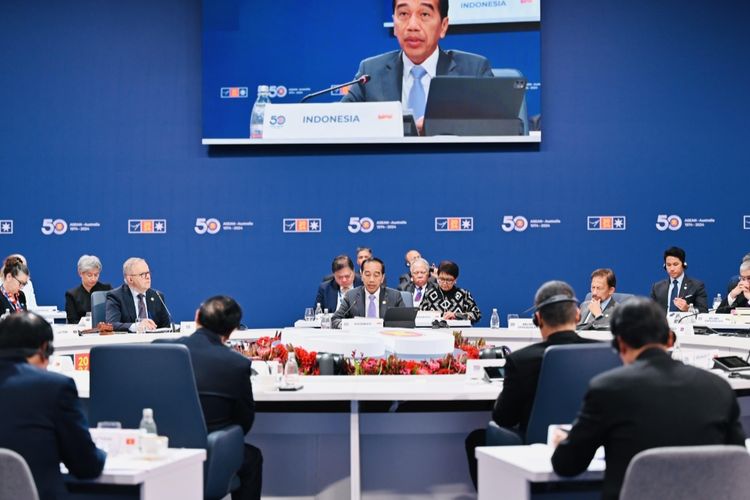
408 298
695 472
563 381
523 114
16 480
98 307
619 297
127 378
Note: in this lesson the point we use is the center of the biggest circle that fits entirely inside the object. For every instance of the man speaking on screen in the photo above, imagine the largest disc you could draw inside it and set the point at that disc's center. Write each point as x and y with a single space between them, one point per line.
404 75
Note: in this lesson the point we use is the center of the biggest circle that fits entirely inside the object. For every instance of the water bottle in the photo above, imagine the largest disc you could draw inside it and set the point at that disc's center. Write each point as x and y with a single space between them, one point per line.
318 312
717 301
325 320
147 422
494 319
5 314
676 351
291 372
259 111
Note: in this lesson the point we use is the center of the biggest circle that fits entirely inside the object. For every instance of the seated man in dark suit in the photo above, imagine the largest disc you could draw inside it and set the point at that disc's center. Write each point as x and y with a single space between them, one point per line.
736 279
739 296
556 314
420 281
331 293
223 380
404 75
652 401
135 305
405 279
78 299
595 313
41 417
370 300
678 292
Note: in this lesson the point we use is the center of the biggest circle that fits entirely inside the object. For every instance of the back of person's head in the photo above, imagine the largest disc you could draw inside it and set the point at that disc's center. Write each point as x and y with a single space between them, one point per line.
448 267
442 5
220 314
556 303
607 274
675 252
14 265
24 332
640 321
341 262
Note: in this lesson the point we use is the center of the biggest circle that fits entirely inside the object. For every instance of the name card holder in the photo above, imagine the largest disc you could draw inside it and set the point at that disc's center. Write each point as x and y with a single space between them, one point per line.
521 324
351 323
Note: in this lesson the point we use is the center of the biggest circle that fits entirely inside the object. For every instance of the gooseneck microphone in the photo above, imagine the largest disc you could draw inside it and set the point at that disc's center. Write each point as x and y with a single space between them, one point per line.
361 80
158 294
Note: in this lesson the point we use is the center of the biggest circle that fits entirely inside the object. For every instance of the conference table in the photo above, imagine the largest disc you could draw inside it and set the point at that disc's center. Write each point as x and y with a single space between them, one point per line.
380 436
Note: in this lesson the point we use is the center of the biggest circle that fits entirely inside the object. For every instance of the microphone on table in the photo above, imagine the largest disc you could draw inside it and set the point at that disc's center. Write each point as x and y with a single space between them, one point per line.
158 294
361 80
356 296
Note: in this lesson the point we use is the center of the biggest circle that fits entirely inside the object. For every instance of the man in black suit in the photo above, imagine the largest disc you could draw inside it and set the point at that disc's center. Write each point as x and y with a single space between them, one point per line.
739 296
135 305
652 401
41 417
370 300
678 292
556 314
223 380
331 293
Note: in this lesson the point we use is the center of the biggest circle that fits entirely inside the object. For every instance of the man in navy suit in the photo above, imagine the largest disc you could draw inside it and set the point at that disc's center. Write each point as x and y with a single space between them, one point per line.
404 75
679 291
223 380
41 417
135 304
330 293
370 300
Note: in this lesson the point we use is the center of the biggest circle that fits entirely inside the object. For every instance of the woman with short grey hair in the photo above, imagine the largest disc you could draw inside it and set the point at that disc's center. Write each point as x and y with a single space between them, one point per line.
78 299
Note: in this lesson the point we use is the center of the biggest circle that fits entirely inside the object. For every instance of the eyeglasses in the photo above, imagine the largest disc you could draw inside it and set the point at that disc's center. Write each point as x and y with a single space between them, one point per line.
142 275
21 284
744 278
446 280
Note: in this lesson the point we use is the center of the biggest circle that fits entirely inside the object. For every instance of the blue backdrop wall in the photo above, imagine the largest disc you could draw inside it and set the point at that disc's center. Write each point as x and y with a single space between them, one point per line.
645 114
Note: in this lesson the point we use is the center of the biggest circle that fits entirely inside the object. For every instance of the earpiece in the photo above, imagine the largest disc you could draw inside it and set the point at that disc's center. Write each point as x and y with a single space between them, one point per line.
555 299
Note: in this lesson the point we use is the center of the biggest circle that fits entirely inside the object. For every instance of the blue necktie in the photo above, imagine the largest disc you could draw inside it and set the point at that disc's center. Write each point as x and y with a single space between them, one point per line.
673 295
371 308
417 99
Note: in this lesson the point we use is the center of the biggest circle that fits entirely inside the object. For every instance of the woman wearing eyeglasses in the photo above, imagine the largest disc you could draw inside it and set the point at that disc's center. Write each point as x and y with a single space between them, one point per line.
453 302
15 277
78 299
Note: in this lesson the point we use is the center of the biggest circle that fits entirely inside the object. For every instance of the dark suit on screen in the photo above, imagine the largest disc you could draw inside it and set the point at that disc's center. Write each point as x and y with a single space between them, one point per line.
42 420
78 301
651 403
693 289
589 322
121 312
6 306
226 394
328 293
354 304
387 70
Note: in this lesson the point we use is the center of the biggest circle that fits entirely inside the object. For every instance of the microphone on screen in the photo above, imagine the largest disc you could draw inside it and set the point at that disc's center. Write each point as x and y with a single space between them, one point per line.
361 80
158 294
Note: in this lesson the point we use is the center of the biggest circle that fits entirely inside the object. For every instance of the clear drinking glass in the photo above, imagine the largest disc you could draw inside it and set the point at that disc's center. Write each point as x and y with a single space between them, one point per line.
510 317
309 314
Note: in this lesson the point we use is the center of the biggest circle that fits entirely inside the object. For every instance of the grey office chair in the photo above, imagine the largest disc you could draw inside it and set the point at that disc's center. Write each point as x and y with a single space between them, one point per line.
98 307
408 299
523 114
16 481
694 472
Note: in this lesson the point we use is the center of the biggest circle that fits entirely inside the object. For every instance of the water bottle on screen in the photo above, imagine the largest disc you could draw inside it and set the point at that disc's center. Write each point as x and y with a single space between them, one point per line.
291 372
717 301
258 113
318 312
147 422
494 319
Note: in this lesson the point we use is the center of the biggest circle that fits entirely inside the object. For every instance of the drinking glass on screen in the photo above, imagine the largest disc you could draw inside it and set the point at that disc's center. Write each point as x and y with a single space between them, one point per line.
309 314
510 317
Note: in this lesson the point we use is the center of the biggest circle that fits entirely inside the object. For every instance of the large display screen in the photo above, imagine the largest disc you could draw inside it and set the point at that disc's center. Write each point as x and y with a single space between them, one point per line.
296 47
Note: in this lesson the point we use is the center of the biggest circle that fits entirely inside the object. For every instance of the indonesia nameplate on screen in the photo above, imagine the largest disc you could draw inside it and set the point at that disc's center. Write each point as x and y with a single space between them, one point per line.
333 120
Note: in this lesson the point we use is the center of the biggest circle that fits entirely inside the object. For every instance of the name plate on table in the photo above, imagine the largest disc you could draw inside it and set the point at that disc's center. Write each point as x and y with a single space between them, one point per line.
348 323
333 120
521 324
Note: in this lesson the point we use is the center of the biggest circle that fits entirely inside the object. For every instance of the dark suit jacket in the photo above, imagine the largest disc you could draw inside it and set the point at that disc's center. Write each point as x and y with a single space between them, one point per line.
328 294
408 286
78 301
386 73
653 402
601 323
690 286
353 304
223 379
513 405
739 301
5 304
121 312
41 419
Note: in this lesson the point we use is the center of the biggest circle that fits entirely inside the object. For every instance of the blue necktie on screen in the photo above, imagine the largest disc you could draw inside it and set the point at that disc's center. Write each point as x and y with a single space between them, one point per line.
371 308
673 295
417 99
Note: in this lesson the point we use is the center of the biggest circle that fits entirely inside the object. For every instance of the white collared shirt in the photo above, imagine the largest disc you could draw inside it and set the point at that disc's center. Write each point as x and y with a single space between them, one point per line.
135 301
429 65
416 289
377 302
340 296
